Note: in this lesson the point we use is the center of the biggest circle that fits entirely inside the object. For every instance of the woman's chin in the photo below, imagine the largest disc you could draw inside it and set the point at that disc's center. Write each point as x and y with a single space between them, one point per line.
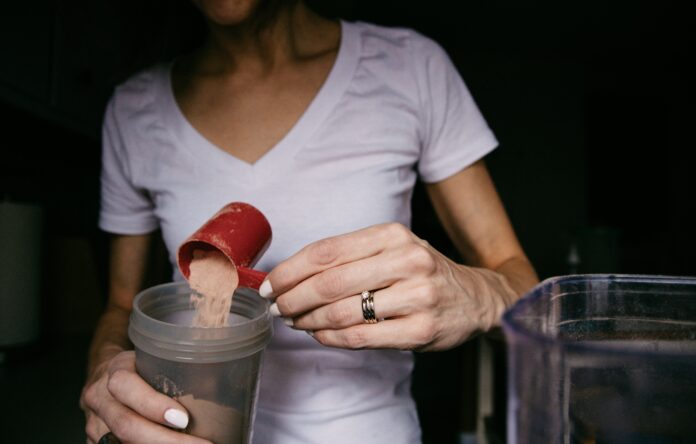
227 12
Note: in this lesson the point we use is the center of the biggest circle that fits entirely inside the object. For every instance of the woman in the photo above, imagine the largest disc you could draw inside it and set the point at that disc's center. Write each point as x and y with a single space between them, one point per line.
324 126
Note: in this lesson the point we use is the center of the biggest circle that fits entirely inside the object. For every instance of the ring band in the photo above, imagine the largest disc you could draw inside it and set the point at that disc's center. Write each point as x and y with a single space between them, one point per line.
108 438
368 307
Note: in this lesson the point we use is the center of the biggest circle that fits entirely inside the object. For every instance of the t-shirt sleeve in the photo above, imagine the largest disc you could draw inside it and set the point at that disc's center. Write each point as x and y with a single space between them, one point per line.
125 208
454 133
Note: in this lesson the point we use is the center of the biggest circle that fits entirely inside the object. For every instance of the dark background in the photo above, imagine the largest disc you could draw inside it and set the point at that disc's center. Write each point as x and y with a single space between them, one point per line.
591 102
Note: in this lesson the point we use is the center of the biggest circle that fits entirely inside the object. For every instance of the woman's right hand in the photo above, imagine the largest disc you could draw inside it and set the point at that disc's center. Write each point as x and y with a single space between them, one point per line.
117 400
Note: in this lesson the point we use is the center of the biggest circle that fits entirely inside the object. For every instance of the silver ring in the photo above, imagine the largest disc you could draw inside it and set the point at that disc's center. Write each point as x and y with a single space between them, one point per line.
108 438
368 307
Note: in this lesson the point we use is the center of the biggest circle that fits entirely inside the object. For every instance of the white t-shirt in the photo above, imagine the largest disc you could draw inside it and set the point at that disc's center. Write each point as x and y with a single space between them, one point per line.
392 107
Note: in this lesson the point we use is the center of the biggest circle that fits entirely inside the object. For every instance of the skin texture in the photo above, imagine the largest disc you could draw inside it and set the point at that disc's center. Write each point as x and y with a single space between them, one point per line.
272 70
427 301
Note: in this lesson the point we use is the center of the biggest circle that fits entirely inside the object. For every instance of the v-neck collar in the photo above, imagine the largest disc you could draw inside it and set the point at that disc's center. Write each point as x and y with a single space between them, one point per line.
278 155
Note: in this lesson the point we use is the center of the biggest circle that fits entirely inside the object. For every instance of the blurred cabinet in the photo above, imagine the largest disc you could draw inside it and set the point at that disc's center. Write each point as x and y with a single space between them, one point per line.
26 45
59 60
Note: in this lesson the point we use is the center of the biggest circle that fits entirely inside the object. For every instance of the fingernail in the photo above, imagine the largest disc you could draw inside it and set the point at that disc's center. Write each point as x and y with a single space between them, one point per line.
289 322
176 418
310 332
266 290
273 309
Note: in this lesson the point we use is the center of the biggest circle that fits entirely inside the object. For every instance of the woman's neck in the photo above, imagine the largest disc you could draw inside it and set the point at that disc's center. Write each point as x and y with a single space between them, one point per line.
263 42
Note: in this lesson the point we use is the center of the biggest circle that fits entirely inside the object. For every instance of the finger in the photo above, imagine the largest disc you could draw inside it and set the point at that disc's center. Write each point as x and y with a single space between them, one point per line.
398 300
331 252
343 281
128 426
95 428
407 262
407 333
126 386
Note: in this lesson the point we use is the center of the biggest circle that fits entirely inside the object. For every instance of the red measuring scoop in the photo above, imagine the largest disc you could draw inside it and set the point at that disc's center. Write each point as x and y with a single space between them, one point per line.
240 232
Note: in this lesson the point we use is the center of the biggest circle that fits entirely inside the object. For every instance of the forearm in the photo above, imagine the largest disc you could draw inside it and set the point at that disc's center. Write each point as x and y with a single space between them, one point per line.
126 271
110 338
519 274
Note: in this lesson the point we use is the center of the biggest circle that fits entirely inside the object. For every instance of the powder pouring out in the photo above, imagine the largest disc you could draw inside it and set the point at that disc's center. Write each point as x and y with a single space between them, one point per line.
214 278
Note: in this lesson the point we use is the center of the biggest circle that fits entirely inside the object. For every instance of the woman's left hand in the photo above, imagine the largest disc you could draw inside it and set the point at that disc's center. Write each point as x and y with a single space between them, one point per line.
423 300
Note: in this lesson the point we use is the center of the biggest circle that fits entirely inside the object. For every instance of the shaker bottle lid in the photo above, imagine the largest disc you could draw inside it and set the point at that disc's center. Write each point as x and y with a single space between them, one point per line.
240 232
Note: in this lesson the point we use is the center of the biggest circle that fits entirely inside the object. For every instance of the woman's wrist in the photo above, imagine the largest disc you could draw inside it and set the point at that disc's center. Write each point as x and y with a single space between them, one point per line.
492 291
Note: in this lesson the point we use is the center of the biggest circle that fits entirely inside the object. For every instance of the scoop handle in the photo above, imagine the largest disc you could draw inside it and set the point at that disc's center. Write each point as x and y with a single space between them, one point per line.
248 277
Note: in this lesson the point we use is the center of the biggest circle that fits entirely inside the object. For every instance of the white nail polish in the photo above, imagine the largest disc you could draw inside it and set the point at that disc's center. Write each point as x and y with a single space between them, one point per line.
289 322
273 309
176 418
266 290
